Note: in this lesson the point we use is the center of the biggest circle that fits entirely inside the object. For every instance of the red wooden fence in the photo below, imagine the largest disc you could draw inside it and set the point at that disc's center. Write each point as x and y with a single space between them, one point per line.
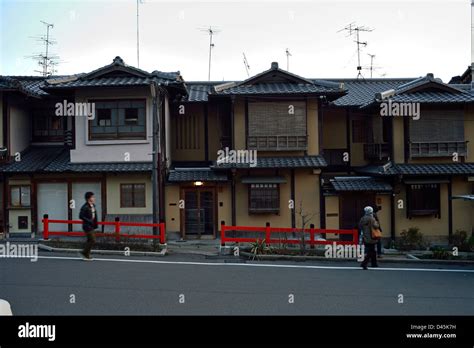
267 232
117 225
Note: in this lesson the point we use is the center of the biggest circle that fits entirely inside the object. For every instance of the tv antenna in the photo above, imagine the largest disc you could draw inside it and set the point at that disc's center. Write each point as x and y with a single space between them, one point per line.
247 66
46 60
211 32
372 68
138 32
353 29
288 55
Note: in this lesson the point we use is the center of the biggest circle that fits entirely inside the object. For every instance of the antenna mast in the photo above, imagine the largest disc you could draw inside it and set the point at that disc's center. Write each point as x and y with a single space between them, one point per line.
46 61
288 55
372 56
211 33
247 66
353 29
138 32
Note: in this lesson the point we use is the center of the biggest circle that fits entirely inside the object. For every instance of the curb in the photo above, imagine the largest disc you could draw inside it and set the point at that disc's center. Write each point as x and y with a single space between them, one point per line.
249 256
104 252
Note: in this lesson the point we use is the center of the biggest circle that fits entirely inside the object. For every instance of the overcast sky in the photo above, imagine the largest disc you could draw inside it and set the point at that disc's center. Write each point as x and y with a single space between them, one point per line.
410 38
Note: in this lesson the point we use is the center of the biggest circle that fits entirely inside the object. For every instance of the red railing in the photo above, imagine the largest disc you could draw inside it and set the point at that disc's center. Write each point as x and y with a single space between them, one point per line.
267 232
117 225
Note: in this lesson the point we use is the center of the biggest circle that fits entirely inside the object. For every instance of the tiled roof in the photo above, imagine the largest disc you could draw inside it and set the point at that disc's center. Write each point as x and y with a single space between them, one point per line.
195 174
420 169
56 159
117 81
62 163
116 74
433 97
426 89
279 88
360 184
34 159
199 91
280 162
29 85
362 91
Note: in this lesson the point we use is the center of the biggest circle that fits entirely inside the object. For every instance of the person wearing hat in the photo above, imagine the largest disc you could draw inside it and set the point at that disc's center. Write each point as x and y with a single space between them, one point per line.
366 224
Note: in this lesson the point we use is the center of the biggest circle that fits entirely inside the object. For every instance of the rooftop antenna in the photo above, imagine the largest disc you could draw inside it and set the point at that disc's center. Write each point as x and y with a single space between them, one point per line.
372 68
45 60
247 66
138 32
372 56
288 55
353 29
211 32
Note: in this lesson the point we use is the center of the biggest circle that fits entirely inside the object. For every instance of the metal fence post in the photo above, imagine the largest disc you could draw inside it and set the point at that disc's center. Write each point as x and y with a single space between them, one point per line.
45 226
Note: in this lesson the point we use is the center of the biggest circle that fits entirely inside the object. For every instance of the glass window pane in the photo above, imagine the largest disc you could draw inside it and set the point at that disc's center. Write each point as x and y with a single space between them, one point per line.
25 196
15 196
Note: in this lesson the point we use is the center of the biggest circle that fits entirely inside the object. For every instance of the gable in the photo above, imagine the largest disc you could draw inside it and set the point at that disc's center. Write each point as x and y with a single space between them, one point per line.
116 69
275 75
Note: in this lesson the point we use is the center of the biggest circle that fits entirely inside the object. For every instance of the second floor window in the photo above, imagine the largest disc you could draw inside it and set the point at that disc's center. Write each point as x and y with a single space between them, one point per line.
187 132
277 126
118 119
360 133
47 127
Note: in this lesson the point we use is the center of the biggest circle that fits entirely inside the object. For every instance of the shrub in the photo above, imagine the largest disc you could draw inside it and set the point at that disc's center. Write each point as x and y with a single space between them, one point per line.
459 240
410 239
440 253
259 247
470 242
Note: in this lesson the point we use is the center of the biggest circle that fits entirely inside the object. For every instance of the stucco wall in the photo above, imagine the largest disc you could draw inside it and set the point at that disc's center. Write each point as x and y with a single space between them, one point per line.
429 226
334 129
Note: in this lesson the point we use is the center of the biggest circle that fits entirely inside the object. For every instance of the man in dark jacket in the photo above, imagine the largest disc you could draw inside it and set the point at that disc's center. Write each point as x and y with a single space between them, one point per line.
366 224
88 215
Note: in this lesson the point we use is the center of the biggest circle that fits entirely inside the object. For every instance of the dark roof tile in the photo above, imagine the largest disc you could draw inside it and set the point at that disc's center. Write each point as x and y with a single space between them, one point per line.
195 174
428 169
280 162
360 184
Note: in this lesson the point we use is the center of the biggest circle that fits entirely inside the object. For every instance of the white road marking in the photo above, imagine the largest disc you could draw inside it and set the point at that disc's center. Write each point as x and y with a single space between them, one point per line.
262 265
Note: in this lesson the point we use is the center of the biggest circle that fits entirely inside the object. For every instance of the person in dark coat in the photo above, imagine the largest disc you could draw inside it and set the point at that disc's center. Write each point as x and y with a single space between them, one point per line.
88 215
366 224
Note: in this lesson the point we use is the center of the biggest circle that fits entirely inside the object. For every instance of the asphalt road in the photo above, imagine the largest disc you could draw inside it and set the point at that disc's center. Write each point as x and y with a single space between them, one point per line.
62 284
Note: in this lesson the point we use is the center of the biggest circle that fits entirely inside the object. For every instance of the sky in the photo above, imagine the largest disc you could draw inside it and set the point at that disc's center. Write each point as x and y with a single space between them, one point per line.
409 38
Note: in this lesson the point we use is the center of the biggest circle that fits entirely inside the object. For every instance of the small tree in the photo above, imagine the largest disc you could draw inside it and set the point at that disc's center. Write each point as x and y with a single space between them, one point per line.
305 218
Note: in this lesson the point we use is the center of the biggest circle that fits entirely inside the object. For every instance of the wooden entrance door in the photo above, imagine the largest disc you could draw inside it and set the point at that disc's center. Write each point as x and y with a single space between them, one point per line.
352 209
199 213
